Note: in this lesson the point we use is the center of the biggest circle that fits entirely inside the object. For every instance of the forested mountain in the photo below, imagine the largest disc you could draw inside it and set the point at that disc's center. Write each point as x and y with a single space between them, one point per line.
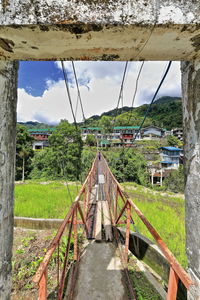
166 112
35 125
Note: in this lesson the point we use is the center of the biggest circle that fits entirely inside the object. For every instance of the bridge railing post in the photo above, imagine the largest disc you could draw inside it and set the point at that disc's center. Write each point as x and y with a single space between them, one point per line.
43 286
172 285
128 223
75 235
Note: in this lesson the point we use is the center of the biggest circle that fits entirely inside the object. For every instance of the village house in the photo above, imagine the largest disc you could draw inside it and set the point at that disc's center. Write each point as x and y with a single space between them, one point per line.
152 132
171 158
178 132
40 137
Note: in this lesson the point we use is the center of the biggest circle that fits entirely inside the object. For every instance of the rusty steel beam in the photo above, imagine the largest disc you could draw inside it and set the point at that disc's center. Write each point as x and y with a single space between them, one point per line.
53 246
121 213
128 223
184 277
56 239
172 285
75 234
43 286
60 291
83 219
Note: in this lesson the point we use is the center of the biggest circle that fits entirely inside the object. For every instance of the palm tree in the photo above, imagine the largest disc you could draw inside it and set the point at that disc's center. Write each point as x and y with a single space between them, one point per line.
23 154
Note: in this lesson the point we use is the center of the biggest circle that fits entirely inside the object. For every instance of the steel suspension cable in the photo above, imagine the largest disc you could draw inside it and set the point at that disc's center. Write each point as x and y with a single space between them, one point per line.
153 99
135 91
78 90
120 92
68 92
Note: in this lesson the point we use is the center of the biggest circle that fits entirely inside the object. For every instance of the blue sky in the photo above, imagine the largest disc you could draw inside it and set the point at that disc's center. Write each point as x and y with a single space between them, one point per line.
42 93
33 76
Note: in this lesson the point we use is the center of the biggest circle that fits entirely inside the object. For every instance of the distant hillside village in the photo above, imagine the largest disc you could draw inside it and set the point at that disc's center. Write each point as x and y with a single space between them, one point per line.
120 136
123 136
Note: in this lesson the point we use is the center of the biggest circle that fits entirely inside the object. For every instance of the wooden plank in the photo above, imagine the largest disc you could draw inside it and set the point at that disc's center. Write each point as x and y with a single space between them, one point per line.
107 221
98 231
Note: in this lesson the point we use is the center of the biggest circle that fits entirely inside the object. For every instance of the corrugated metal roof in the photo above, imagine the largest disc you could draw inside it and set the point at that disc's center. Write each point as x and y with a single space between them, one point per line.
127 127
171 148
168 162
41 130
117 127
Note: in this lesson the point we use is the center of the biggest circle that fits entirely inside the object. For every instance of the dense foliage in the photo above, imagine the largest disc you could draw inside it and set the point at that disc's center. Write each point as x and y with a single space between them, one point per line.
128 165
175 181
62 159
166 112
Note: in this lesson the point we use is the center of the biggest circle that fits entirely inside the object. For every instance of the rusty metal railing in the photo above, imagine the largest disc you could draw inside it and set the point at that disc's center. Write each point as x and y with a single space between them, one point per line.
76 215
113 191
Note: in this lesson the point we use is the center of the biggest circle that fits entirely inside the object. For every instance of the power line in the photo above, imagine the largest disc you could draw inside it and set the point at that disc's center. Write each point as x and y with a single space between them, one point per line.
135 92
78 90
149 107
68 92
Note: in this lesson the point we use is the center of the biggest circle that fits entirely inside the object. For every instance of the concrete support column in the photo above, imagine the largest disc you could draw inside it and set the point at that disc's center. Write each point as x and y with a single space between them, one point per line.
8 100
191 120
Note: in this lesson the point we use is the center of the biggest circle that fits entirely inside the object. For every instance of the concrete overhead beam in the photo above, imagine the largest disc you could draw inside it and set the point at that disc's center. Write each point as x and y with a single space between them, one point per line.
99 30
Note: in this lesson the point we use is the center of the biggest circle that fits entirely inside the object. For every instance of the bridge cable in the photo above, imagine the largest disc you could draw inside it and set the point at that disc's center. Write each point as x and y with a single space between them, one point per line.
72 110
153 99
78 90
120 93
135 91
68 93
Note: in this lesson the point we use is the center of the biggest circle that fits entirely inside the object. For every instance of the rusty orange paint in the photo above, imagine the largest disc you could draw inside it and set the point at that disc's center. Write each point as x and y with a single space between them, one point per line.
43 286
172 285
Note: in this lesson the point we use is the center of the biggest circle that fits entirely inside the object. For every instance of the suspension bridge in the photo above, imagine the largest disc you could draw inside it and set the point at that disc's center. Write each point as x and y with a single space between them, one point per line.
99 268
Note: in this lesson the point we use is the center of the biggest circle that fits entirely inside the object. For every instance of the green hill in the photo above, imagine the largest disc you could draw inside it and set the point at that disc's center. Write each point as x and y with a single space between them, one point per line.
166 112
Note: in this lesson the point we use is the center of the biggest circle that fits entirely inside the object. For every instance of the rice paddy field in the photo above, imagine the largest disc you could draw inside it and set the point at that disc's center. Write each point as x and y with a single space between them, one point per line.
165 211
47 200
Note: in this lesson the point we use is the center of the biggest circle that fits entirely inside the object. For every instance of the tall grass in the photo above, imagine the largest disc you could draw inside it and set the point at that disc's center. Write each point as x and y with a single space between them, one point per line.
50 200
166 213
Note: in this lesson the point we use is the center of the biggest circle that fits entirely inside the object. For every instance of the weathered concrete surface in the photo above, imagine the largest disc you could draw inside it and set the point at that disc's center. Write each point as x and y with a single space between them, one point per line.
32 223
8 100
100 274
191 115
149 253
105 30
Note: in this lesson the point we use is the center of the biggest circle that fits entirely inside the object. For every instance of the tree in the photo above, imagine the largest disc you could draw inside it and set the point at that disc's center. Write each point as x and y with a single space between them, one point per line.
90 140
175 181
63 157
106 124
174 141
24 153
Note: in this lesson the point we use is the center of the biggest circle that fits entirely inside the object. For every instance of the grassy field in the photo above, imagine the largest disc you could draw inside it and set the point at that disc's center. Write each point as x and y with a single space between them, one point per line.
164 210
166 213
38 200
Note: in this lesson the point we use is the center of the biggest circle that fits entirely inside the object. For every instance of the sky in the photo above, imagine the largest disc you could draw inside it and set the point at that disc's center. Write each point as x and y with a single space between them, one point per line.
42 94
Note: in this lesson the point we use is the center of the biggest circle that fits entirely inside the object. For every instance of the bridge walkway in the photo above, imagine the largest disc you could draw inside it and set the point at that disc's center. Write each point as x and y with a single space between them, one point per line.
100 274
100 270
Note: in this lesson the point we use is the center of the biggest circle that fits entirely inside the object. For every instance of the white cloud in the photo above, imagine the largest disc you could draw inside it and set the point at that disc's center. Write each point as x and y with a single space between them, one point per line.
102 95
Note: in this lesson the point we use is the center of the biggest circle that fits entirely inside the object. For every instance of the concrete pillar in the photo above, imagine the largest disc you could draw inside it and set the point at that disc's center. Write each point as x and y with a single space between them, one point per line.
191 120
8 100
